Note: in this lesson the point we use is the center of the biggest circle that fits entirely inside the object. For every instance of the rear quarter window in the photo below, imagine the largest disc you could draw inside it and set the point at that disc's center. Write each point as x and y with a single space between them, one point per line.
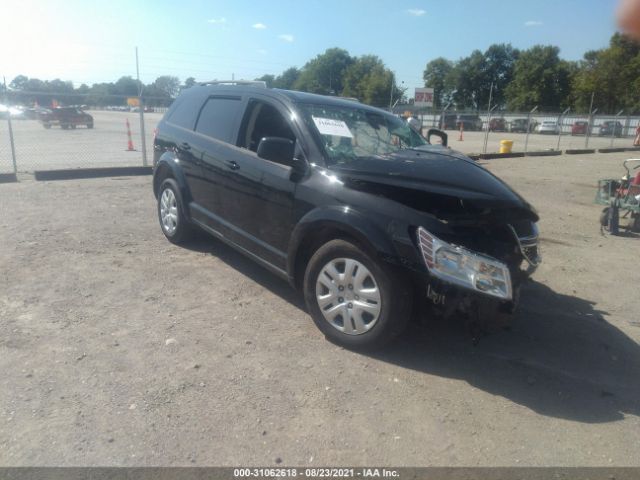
218 118
185 112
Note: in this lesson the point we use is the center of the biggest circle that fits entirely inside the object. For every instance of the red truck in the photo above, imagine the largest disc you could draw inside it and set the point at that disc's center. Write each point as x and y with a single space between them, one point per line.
66 117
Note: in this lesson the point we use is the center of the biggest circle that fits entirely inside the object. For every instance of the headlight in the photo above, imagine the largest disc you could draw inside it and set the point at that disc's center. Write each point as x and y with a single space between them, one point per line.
463 267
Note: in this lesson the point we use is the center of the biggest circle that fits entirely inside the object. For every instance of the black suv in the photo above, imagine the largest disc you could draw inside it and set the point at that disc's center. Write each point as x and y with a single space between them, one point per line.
347 203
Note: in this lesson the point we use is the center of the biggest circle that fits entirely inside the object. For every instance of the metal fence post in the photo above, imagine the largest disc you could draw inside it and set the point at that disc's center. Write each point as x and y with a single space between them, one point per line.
589 128
526 140
615 124
11 141
560 118
143 139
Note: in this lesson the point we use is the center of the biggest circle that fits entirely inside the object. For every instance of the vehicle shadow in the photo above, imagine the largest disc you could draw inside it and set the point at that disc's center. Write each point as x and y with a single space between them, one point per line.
204 243
560 359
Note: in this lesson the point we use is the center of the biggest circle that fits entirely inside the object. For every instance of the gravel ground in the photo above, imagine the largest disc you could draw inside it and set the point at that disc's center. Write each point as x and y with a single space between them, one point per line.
119 348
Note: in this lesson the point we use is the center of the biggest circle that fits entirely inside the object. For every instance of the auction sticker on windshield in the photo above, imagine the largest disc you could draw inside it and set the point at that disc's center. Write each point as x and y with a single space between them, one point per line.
329 126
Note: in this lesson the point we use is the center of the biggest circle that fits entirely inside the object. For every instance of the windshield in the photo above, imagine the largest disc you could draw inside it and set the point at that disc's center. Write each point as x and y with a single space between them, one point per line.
348 133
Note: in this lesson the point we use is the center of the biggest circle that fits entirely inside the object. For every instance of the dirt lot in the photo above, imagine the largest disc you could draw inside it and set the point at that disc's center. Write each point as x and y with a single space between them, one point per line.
119 348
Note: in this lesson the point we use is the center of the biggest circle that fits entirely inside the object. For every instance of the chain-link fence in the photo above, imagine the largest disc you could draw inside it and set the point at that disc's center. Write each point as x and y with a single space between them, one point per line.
473 132
77 135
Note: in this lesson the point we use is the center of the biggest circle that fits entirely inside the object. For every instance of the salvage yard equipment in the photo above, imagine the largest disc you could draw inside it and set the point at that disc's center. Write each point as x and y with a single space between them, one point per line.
621 196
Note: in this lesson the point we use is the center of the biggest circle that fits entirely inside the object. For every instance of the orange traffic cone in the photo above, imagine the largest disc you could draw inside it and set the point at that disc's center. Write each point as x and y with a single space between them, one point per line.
130 147
460 139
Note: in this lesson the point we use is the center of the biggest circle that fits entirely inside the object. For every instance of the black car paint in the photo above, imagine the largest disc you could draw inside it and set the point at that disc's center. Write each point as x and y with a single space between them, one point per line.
274 213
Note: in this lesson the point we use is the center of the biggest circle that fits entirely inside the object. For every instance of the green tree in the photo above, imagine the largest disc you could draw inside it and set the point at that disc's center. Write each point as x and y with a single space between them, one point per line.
437 75
167 85
189 82
268 79
325 73
19 83
499 61
287 79
612 75
368 80
125 86
541 78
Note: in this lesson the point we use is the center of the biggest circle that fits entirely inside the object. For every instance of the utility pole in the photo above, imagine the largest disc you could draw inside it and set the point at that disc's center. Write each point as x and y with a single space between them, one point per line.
143 139
391 94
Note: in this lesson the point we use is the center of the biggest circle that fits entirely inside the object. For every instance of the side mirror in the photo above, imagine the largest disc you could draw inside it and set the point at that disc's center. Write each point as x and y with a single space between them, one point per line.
277 149
438 133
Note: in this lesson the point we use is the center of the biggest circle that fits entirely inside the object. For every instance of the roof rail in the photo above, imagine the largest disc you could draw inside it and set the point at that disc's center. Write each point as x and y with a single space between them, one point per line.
255 83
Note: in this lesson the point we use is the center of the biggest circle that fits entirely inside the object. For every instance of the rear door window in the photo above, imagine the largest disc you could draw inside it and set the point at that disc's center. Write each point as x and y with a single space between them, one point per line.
218 118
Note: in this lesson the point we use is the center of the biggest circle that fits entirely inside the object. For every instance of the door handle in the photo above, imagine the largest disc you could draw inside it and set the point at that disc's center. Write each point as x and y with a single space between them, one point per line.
233 165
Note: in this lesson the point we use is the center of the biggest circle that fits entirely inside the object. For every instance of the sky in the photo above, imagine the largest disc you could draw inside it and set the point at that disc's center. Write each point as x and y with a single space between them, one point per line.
90 42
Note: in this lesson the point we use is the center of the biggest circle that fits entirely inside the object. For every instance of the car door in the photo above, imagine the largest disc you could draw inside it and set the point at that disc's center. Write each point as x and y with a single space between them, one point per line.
261 192
215 131
176 133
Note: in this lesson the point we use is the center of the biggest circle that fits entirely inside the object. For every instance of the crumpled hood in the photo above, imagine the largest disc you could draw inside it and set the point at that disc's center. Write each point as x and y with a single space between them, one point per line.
435 170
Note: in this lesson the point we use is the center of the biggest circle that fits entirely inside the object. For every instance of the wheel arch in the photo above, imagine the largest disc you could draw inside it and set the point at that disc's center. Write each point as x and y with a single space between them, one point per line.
322 225
168 167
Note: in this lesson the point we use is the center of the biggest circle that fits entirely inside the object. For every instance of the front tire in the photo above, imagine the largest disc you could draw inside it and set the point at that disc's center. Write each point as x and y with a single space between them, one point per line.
355 301
173 222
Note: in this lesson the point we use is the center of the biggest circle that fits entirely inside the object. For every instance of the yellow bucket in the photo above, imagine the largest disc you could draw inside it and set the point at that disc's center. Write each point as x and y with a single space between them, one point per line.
505 146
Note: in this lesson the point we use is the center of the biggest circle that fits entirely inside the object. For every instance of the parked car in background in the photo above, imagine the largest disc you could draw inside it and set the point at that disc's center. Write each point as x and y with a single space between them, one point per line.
16 113
469 122
448 122
498 125
611 127
519 125
548 127
579 127
66 117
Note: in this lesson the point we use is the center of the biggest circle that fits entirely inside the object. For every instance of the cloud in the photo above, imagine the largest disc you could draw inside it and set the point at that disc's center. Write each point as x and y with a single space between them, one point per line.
416 12
286 37
532 23
262 51
259 26
217 21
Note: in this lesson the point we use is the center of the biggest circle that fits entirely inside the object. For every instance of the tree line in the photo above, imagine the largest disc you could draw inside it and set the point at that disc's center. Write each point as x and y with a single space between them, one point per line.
523 79
28 91
518 80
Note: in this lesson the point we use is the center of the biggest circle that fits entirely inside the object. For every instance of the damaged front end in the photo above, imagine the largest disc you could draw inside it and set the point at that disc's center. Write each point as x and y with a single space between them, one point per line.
473 240
479 274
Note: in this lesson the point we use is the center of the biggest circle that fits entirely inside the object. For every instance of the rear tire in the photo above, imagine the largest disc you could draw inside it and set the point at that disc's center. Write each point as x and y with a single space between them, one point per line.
356 301
173 221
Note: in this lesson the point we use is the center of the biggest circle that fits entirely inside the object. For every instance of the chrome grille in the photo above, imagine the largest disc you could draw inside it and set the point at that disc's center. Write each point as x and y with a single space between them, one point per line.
528 243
